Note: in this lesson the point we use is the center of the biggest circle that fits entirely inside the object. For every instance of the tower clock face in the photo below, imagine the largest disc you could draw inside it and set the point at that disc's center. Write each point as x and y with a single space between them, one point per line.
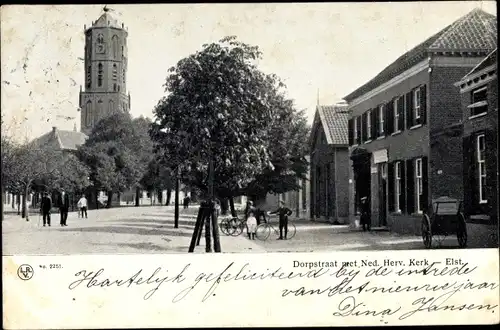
100 49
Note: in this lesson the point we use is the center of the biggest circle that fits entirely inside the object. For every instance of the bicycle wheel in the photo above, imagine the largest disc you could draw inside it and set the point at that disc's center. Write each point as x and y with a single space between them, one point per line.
238 229
226 228
291 231
263 231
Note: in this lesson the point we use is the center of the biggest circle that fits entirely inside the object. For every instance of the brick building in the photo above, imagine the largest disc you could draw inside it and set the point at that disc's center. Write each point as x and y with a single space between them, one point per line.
329 193
404 125
479 94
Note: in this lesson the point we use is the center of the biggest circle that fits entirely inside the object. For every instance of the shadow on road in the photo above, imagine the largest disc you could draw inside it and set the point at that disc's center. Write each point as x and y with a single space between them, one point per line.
155 226
157 221
129 230
139 246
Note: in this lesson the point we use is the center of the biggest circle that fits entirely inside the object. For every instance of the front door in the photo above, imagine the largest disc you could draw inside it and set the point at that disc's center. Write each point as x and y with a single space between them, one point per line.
383 194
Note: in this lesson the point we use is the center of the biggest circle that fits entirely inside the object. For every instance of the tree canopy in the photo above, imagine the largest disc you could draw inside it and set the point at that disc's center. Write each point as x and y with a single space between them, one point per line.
218 105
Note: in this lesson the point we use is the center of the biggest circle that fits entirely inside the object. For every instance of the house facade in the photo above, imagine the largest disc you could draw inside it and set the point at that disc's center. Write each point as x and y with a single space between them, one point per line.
479 96
400 159
329 193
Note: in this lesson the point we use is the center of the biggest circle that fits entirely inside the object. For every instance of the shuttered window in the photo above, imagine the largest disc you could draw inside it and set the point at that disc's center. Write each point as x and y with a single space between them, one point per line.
396 114
410 186
479 101
363 127
416 104
381 121
357 124
368 125
401 114
351 129
481 166
409 109
373 114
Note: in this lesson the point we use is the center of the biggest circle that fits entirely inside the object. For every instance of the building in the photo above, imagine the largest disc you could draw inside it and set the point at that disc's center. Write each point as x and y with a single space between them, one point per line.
400 156
106 63
329 164
479 95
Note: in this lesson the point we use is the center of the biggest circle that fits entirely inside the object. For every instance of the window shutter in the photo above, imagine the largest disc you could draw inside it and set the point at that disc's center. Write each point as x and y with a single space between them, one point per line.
401 112
391 185
402 197
363 127
358 129
424 202
410 186
409 109
390 117
386 121
373 119
491 168
468 158
423 104
351 131
377 121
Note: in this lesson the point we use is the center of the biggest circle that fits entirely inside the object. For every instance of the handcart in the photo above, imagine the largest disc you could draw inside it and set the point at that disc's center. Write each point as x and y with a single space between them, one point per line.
445 219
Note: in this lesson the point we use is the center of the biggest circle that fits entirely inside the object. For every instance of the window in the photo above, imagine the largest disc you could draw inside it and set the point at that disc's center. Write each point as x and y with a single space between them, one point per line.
114 45
416 102
99 75
418 182
481 148
124 75
89 76
397 186
115 72
396 115
368 125
100 39
355 128
381 111
479 101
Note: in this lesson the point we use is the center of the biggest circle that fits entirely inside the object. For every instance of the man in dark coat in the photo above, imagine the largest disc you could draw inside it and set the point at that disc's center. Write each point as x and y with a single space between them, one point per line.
365 214
284 212
45 207
63 204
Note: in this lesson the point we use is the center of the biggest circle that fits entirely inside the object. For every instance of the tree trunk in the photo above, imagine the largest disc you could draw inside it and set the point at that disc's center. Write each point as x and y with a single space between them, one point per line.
160 196
233 210
1 210
18 200
224 206
176 214
137 192
25 203
169 196
150 197
110 199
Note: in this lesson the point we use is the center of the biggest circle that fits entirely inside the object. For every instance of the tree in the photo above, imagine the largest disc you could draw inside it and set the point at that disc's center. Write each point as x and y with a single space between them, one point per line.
117 153
217 111
9 182
289 132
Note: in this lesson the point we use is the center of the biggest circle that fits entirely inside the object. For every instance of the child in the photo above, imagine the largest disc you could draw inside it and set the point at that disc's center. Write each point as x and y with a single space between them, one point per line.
251 224
82 206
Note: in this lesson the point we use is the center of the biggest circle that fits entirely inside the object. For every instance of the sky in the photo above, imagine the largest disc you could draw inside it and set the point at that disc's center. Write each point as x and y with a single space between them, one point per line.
325 49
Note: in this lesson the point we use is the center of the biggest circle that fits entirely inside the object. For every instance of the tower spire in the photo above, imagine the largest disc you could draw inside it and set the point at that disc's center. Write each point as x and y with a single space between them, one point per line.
317 101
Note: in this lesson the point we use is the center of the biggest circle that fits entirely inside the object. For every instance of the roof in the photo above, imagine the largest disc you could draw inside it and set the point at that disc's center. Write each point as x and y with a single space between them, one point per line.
107 20
334 119
476 31
490 60
61 139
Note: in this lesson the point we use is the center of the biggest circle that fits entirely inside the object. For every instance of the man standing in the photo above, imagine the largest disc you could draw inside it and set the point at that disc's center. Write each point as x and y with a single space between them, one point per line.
365 214
45 207
63 203
82 206
284 213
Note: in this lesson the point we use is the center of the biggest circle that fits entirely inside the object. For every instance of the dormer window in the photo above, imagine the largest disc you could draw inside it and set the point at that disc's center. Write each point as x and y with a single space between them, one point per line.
479 101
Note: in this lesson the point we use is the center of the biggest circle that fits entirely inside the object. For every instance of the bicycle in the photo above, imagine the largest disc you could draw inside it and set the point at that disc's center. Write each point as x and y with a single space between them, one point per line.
264 230
232 226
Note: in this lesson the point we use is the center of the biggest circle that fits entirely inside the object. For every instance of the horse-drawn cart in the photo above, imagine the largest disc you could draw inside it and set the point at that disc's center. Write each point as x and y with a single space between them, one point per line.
445 218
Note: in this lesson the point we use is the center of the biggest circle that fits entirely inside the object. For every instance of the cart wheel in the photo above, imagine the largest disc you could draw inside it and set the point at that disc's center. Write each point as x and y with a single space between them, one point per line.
225 227
461 231
426 231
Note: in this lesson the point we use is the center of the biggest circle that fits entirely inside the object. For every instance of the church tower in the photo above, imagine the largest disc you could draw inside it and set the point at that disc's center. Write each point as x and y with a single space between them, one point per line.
106 60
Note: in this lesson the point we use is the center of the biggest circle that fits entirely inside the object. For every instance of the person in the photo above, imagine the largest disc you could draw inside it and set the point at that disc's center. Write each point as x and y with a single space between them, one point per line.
251 220
82 206
365 214
45 207
284 212
63 204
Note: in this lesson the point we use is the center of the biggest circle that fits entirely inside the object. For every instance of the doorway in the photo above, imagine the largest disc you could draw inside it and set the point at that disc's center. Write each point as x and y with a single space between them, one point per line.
362 176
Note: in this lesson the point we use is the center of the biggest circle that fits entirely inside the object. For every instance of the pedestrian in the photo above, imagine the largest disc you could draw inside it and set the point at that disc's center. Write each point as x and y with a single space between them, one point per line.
63 204
284 212
365 214
251 220
82 206
45 207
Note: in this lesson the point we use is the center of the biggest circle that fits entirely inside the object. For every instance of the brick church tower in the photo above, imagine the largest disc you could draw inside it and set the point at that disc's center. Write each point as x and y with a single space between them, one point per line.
105 71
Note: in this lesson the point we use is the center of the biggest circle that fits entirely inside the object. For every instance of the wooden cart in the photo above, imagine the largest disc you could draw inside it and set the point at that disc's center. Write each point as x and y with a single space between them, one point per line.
445 218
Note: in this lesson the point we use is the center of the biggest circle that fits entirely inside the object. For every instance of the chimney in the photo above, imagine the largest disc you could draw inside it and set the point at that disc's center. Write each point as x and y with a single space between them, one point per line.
54 129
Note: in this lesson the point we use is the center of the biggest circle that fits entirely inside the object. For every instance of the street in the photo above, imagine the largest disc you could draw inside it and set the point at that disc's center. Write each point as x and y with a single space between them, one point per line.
131 230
